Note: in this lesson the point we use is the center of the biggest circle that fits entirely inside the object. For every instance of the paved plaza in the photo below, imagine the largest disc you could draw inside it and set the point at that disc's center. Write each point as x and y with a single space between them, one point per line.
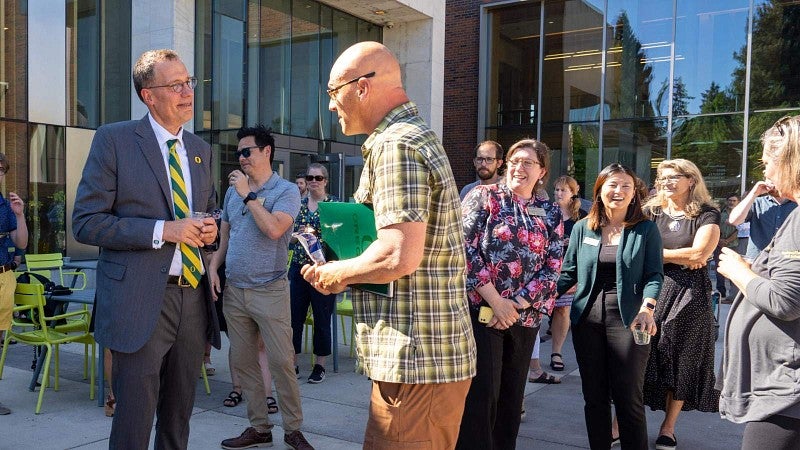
335 411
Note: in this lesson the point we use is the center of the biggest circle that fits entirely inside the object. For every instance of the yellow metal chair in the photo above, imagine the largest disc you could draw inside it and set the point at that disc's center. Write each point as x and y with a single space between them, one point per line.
29 301
343 308
47 263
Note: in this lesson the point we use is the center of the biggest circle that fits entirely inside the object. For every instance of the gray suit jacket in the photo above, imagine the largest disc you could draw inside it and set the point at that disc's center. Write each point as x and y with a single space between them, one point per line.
123 192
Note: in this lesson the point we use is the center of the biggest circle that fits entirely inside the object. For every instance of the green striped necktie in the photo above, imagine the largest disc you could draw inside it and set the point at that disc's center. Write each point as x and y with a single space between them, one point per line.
190 255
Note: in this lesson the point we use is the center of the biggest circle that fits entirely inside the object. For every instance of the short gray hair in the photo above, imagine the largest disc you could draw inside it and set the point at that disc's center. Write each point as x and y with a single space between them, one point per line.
144 69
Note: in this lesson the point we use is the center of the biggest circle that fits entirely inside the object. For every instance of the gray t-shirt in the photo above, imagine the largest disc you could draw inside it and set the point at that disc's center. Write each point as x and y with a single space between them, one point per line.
253 259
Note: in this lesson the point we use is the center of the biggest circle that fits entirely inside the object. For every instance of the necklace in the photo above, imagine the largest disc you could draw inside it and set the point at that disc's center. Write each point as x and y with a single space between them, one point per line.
675 225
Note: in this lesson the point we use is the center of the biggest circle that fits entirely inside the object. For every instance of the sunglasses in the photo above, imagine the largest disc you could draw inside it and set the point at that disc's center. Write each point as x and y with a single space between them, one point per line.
314 178
780 123
246 152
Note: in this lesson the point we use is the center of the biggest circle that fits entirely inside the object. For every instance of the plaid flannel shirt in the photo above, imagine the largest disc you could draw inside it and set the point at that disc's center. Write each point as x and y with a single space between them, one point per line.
423 334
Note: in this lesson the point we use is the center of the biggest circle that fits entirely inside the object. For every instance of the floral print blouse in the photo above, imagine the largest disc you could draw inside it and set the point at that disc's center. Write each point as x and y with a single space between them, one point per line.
515 244
305 220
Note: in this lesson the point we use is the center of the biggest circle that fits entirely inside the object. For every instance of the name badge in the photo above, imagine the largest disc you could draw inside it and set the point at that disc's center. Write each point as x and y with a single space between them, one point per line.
591 241
538 212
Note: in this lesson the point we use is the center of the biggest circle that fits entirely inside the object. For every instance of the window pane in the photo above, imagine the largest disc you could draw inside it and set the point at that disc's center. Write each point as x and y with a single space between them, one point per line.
116 61
47 199
514 70
638 55
714 144
228 60
774 81
710 39
639 144
269 56
305 79
83 74
572 61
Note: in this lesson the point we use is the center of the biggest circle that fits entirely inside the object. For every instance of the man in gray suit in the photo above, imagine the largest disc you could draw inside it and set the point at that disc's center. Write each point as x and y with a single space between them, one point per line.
153 307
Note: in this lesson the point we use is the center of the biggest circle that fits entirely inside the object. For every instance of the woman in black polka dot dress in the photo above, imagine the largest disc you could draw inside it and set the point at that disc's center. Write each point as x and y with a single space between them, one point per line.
680 371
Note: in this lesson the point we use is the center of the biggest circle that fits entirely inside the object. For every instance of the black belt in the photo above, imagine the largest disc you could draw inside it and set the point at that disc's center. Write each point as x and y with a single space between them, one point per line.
7 267
179 281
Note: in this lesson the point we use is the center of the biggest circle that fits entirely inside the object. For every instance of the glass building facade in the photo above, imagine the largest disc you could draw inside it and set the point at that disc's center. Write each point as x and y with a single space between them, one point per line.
267 62
640 81
257 61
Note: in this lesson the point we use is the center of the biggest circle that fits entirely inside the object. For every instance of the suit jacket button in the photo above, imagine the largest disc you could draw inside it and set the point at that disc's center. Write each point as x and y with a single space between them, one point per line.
163 270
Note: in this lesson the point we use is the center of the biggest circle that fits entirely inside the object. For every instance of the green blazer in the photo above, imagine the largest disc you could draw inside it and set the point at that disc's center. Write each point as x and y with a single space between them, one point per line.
640 268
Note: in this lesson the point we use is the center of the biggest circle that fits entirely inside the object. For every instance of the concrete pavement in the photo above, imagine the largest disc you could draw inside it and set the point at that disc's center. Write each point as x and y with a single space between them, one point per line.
335 411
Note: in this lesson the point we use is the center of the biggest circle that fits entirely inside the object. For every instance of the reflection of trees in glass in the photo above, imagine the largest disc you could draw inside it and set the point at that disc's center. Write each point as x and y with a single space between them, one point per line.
630 90
680 98
713 142
774 83
775 57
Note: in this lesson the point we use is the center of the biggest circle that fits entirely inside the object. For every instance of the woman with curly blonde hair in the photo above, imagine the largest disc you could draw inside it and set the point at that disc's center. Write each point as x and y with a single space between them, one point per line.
680 371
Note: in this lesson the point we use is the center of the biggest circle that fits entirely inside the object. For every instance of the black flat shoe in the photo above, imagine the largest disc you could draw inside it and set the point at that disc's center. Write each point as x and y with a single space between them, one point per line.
665 442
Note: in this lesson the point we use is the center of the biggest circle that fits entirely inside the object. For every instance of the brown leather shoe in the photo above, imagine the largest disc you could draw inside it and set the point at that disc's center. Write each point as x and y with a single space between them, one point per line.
249 439
297 441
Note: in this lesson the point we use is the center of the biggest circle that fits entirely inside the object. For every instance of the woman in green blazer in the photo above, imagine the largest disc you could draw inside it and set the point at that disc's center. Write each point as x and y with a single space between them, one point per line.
615 259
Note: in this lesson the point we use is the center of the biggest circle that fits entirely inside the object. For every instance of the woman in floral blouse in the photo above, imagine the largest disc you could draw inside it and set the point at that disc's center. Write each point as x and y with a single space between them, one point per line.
513 241
302 293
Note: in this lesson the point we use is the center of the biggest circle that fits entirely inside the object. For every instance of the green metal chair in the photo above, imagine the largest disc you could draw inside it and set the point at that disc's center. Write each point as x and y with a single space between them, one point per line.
29 302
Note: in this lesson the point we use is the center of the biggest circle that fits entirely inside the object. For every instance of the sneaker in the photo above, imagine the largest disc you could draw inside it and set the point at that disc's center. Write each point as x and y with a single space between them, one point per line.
4 411
297 371
614 441
297 441
522 415
249 439
665 442
317 375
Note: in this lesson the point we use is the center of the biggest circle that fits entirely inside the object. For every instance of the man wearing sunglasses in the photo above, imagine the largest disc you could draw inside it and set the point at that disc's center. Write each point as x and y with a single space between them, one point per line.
141 183
259 211
417 346
488 161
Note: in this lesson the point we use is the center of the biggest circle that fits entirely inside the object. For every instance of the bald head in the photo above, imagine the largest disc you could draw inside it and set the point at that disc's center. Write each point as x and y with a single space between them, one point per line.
360 98
365 57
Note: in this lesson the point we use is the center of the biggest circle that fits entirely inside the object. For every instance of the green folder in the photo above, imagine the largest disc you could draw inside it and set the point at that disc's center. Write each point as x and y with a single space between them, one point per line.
348 229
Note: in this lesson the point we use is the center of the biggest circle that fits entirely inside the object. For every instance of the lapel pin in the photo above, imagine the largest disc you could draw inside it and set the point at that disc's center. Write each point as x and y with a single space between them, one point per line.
197 159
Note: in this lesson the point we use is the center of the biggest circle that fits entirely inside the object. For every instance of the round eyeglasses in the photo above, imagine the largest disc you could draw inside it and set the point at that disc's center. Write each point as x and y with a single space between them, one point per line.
178 87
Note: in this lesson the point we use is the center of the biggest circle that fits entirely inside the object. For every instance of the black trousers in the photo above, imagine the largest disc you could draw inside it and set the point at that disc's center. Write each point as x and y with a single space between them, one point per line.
610 362
303 294
494 402
775 433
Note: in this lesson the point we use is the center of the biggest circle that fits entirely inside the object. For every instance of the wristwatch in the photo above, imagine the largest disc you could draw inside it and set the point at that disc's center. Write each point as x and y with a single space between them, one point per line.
250 196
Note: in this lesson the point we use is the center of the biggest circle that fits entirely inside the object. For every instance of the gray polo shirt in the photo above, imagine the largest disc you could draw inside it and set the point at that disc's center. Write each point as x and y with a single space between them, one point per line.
253 259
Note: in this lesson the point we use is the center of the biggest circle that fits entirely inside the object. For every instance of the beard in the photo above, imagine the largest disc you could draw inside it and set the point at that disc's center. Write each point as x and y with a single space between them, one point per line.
486 174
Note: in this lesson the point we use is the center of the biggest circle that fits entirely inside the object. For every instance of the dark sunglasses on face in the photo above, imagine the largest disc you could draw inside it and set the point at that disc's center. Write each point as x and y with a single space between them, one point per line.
314 178
245 151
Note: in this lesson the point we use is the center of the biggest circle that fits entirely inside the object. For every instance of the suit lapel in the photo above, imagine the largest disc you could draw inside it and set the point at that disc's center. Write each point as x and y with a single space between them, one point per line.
197 173
146 139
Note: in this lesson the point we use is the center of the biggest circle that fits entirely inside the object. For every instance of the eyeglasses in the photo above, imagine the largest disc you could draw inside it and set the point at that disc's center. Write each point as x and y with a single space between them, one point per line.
245 151
780 123
314 178
526 163
672 178
481 160
178 87
332 91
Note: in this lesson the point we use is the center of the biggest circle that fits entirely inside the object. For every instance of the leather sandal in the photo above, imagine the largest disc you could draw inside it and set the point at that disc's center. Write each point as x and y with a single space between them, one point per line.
558 366
544 378
234 398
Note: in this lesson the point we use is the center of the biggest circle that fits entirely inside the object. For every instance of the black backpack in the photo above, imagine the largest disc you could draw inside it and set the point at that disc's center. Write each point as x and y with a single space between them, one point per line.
52 306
